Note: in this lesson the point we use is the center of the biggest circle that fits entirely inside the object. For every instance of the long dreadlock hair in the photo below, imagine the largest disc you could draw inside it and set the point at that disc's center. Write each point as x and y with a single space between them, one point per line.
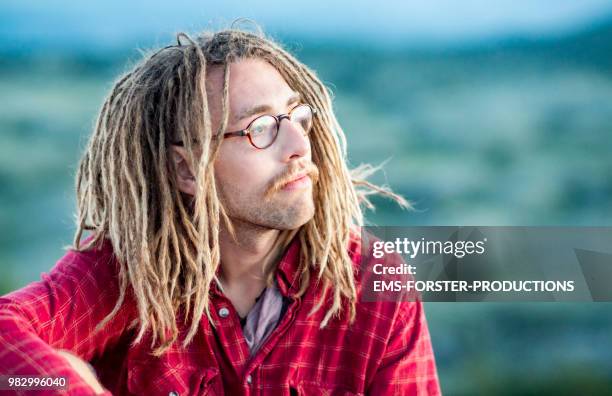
168 250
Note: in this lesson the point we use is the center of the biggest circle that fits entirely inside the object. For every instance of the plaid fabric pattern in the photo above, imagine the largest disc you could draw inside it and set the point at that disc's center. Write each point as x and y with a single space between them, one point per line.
386 351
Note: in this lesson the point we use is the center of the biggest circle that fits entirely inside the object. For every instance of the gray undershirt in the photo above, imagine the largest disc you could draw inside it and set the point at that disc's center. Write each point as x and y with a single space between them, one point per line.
263 318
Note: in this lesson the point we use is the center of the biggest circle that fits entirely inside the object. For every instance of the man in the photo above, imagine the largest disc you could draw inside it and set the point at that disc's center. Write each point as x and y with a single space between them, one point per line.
224 249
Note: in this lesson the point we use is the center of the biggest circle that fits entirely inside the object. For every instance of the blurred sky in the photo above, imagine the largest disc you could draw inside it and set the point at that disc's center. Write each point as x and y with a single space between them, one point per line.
119 23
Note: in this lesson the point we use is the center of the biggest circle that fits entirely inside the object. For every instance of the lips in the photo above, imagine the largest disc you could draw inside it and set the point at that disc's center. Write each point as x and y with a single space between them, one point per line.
300 181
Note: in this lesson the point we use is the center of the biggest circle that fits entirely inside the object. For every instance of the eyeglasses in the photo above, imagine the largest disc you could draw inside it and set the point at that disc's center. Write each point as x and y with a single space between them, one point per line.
263 130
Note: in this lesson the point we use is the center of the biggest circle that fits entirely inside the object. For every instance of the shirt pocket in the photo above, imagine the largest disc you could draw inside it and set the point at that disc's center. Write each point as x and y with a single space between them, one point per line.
313 388
163 379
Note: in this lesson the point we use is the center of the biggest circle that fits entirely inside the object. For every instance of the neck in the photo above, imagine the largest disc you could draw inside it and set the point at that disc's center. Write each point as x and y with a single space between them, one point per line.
245 259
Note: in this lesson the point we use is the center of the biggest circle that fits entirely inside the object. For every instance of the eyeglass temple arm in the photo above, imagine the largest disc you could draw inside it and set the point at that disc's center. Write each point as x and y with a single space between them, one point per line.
225 135
244 132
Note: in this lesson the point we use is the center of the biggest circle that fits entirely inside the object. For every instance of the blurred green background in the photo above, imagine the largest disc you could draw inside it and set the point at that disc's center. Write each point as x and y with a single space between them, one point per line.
490 113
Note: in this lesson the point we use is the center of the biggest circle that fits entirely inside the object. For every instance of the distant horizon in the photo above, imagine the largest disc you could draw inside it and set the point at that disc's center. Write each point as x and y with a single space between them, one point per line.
68 25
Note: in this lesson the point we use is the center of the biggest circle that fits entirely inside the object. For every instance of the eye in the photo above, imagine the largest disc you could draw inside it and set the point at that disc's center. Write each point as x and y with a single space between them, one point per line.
263 131
302 114
262 125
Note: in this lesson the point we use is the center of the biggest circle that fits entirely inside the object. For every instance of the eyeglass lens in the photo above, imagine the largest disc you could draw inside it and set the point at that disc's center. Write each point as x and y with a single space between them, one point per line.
264 129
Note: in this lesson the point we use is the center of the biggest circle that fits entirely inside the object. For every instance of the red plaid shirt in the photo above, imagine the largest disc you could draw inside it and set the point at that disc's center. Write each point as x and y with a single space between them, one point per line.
387 351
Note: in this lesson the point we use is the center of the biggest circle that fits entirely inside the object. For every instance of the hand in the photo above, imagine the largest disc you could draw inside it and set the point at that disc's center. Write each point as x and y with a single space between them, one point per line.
84 370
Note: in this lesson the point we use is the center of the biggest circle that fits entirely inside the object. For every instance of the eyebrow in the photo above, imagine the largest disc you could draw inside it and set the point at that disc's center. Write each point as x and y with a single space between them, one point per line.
263 108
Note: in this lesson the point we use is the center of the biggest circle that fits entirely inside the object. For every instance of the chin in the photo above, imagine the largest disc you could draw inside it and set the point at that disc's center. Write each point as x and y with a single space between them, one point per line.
293 217
299 223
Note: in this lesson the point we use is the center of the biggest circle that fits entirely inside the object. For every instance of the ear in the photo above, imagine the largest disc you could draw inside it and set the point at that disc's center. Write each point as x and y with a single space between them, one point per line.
184 175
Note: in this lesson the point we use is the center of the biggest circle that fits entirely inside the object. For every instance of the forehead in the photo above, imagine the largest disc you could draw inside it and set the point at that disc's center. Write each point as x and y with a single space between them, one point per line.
252 82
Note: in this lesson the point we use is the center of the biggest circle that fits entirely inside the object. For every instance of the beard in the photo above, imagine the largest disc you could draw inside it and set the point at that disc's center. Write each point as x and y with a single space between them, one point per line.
272 208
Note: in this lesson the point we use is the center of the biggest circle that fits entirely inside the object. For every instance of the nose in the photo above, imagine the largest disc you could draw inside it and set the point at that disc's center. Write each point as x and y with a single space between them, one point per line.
294 143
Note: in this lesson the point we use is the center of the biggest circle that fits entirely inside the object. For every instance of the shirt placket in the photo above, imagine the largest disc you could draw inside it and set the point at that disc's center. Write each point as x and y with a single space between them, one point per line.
252 377
235 346
229 331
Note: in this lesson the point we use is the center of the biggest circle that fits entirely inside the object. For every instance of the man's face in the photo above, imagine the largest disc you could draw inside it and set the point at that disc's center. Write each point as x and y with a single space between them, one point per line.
256 185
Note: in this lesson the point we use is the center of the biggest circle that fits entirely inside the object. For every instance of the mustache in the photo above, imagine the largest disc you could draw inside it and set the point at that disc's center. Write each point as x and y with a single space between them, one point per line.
290 174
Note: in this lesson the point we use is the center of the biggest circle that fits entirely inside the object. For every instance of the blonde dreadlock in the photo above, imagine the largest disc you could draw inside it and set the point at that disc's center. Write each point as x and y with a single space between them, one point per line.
168 249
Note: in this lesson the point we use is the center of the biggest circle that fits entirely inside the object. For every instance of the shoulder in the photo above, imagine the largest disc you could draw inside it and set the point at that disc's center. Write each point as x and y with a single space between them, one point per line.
386 309
361 249
98 261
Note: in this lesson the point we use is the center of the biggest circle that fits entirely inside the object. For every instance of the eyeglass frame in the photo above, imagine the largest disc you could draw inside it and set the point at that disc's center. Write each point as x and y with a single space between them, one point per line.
277 118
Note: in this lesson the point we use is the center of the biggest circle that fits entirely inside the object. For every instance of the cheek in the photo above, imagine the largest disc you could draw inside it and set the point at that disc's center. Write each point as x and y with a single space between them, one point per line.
240 173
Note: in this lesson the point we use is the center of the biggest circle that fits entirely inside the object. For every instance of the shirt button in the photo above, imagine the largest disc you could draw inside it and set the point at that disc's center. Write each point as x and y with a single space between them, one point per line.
173 393
249 379
224 312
